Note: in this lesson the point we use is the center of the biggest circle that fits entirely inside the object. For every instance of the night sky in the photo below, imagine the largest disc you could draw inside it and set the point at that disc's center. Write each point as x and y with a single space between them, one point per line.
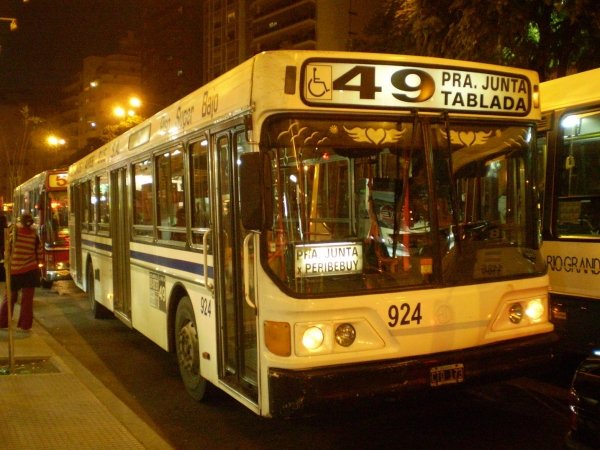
53 37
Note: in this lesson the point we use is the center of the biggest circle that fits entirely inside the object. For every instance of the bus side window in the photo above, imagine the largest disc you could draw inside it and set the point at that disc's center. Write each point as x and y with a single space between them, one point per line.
103 204
171 198
578 164
578 217
142 208
200 192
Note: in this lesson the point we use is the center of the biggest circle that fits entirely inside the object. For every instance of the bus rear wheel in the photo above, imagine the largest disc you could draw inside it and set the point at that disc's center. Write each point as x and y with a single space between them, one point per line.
187 347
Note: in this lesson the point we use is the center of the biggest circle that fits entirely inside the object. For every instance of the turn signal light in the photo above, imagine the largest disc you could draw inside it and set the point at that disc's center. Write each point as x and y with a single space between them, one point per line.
278 338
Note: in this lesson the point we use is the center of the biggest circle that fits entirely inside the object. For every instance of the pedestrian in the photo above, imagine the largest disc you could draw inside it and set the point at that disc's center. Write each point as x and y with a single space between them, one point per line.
24 272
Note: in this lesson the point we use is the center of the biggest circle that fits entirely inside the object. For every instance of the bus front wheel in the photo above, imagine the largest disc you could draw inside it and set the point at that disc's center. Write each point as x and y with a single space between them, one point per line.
188 354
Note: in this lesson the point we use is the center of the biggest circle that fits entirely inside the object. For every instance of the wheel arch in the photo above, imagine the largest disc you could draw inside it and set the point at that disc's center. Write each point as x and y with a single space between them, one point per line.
177 293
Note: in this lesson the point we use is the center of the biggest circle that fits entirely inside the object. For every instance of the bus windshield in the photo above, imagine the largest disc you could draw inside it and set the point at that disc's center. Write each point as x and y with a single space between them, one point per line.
363 205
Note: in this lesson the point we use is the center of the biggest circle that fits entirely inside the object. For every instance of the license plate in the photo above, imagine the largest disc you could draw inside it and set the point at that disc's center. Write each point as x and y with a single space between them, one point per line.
449 374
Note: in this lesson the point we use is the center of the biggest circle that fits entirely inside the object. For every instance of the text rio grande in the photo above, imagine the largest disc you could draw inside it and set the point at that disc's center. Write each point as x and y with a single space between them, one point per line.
488 92
328 260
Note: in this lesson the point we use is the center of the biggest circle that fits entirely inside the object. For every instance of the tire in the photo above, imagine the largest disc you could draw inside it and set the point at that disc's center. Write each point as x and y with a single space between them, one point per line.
98 310
46 283
187 347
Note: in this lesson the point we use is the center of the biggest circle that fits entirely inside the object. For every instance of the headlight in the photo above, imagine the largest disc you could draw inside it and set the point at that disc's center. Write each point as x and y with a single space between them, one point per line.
335 337
345 335
526 312
313 338
535 310
515 313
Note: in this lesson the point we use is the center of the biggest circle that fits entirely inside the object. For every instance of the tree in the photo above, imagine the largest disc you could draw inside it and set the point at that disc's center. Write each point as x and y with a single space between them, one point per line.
551 37
16 131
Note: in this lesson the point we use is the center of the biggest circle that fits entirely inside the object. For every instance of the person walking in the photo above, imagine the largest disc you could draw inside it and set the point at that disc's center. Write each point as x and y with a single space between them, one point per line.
24 272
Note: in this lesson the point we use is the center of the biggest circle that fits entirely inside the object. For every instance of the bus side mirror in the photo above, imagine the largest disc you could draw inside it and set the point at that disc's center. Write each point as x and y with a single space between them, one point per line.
254 181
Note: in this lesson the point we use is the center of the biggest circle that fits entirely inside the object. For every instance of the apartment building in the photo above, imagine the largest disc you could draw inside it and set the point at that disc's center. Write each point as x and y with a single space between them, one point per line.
234 30
90 100
186 43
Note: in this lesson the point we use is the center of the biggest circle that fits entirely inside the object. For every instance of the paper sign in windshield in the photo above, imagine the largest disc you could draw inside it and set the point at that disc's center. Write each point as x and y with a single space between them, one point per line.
313 260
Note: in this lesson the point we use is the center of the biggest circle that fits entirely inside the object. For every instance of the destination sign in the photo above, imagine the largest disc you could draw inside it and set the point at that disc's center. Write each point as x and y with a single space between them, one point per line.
313 260
57 180
388 86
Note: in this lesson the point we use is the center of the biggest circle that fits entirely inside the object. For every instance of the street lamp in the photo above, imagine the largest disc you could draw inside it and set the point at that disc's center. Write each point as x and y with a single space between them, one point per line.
12 20
55 141
56 145
119 111
134 103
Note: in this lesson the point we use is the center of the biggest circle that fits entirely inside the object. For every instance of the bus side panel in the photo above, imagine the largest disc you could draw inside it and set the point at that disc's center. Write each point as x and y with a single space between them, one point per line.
101 264
204 306
153 287
149 303
574 286
573 269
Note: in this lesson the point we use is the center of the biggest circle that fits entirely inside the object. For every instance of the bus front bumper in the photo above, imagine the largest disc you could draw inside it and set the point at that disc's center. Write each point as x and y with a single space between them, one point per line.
311 390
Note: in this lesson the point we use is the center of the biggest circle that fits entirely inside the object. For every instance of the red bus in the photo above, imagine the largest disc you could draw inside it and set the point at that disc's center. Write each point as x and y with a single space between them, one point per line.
45 197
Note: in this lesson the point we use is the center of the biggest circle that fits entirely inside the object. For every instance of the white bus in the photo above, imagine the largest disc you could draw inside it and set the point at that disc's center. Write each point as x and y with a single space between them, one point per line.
569 137
316 226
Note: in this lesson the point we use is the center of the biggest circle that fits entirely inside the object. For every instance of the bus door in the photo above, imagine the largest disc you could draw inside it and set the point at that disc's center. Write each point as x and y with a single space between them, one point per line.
238 356
120 245
75 245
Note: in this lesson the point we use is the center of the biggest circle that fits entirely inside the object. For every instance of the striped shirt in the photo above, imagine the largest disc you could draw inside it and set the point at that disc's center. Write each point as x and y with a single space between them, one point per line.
24 251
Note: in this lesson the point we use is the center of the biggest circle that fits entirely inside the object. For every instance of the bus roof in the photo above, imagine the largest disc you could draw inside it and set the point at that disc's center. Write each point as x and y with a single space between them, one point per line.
279 81
578 89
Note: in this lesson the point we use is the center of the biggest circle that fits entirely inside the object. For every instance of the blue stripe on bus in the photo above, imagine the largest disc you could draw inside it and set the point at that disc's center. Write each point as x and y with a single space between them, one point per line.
98 245
172 263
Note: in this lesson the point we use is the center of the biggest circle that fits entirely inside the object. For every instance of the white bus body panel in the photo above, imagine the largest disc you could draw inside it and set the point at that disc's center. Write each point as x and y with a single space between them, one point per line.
453 319
573 269
101 261
567 92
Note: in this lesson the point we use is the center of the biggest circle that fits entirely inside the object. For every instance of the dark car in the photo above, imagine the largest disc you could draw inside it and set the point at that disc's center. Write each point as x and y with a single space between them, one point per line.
584 402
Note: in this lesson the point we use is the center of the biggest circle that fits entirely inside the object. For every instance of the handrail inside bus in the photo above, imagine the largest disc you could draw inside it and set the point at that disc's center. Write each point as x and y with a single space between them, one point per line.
249 301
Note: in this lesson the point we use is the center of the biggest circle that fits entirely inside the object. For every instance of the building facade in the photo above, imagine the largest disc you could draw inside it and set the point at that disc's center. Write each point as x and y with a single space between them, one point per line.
234 30
104 83
183 44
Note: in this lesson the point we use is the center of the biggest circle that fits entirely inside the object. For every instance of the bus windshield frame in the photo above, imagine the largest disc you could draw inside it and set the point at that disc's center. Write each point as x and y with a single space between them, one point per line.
386 205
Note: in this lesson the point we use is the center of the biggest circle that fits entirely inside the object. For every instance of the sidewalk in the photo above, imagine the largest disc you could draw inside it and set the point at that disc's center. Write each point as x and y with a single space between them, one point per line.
50 401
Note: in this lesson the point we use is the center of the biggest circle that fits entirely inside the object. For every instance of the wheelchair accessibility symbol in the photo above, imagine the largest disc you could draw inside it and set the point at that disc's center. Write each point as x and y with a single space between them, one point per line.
318 82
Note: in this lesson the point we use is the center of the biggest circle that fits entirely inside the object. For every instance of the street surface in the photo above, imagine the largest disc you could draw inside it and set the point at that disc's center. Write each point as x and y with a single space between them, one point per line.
523 413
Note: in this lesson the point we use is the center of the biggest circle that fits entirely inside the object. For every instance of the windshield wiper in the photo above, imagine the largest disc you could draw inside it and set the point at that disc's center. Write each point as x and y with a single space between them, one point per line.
453 193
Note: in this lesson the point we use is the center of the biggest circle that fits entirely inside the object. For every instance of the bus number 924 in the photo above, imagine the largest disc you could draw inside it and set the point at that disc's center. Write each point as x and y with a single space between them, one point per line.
404 315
